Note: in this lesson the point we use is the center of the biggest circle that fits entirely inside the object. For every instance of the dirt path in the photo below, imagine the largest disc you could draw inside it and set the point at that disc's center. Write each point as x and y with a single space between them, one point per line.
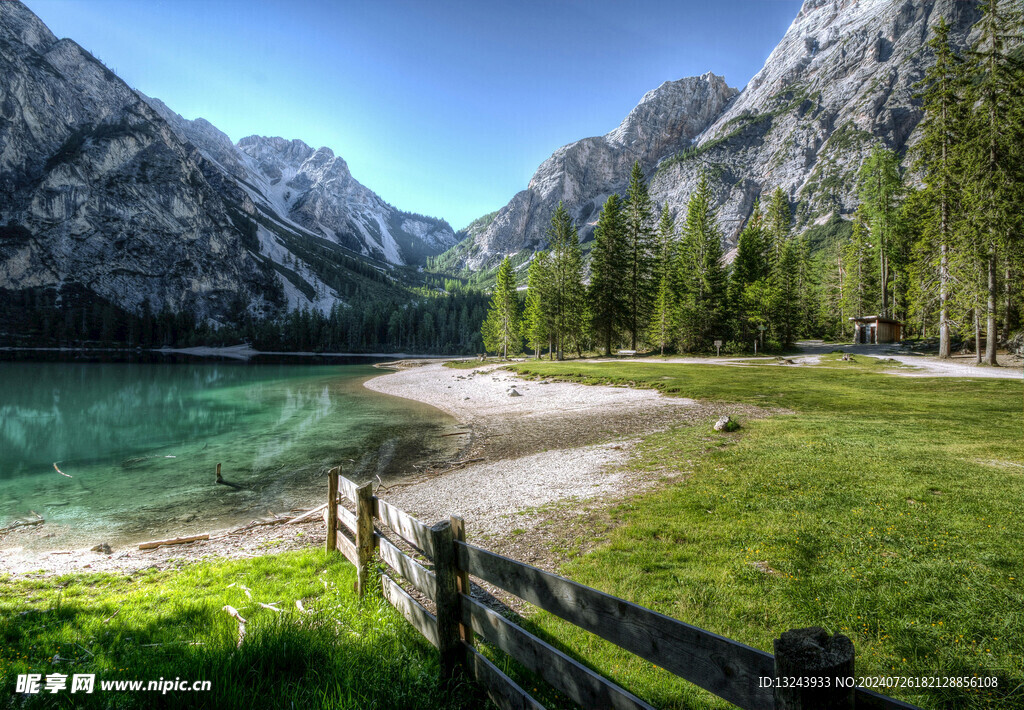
925 365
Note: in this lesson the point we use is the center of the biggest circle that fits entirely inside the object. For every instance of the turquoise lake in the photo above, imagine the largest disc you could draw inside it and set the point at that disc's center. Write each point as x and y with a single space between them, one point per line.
141 441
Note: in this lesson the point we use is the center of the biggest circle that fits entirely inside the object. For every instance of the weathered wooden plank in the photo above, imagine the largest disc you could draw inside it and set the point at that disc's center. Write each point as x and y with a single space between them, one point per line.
448 602
418 575
347 548
502 690
407 526
459 533
727 668
364 537
870 700
348 518
347 487
331 513
584 686
412 610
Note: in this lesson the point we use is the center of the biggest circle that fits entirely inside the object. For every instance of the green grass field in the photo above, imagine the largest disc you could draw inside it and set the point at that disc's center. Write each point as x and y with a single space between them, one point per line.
343 653
885 508
882 507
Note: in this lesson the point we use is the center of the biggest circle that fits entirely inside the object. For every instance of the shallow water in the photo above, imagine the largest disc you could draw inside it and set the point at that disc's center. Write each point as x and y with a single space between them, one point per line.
141 441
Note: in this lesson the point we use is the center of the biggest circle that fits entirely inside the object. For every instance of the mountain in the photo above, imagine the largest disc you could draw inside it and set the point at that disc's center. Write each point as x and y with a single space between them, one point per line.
109 197
100 195
314 189
841 78
584 173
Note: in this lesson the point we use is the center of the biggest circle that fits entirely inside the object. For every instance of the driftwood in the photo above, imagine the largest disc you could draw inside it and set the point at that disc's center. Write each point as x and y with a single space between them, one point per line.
107 620
22 524
152 545
260 523
457 433
270 606
307 515
233 612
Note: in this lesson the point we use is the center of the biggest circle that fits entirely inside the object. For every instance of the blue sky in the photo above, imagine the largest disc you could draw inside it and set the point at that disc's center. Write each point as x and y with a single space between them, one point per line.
443 108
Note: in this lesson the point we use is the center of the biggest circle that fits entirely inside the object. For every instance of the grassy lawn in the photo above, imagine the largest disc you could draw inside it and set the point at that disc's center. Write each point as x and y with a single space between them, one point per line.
343 653
885 508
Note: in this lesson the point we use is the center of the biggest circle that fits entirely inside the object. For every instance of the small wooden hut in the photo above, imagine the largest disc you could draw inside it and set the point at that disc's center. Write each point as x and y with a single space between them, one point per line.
872 330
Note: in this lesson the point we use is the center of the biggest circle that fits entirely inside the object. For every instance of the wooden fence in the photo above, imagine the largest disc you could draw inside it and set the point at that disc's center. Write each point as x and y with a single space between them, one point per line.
729 669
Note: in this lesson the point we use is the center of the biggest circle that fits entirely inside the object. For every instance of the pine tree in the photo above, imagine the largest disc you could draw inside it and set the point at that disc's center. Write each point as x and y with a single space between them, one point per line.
536 317
752 263
881 187
664 307
501 328
942 131
859 258
566 287
786 291
607 296
700 272
993 147
778 224
639 253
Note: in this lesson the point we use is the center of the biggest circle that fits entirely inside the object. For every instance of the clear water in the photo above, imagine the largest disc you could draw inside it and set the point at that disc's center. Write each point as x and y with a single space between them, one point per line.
141 442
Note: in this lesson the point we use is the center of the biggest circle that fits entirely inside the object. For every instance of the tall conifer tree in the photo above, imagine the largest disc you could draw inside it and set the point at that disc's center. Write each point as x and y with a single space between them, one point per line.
942 132
536 315
639 253
501 328
700 272
566 287
608 274
881 187
993 146
752 264
664 308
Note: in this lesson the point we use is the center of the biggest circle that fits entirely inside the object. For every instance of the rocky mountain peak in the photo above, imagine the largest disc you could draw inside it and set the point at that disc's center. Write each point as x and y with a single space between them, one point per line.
21 24
276 150
674 111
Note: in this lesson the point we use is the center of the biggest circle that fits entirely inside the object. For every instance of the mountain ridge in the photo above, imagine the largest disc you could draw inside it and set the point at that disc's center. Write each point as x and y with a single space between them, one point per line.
840 78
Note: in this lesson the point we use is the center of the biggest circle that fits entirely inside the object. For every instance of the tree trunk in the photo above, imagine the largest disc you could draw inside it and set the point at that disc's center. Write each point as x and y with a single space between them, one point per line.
1008 307
991 330
977 337
944 298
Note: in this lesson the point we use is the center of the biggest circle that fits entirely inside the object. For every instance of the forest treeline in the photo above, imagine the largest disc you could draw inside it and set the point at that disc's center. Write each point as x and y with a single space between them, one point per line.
430 321
936 245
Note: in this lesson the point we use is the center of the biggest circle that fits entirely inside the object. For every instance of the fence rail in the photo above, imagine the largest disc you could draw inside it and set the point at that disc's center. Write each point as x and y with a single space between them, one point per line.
729 669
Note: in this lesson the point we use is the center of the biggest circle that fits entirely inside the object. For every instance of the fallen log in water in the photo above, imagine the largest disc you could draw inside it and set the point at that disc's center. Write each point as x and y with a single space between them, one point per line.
152 545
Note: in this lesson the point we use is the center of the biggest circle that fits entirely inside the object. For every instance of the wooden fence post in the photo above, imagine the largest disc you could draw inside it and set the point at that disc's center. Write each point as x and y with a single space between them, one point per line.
449 606
459 533
364 536
803 654
332 509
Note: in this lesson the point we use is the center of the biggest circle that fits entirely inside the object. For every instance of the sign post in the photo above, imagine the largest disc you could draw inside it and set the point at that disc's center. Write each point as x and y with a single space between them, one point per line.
718 348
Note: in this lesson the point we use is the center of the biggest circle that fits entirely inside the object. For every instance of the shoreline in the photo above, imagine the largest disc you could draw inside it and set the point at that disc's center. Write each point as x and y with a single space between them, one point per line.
229 352
553 443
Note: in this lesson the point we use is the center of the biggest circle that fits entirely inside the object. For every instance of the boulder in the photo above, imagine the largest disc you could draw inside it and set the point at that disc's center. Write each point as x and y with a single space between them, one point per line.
724 423
103 548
